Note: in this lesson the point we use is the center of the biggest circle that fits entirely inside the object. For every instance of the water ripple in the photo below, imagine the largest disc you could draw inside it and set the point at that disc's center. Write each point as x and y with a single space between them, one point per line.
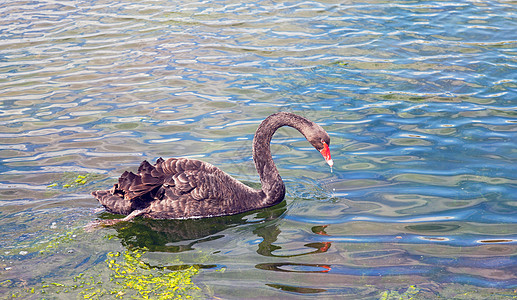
478 215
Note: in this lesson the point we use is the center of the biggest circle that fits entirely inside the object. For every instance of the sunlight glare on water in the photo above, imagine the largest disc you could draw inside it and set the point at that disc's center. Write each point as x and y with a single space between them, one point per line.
419 98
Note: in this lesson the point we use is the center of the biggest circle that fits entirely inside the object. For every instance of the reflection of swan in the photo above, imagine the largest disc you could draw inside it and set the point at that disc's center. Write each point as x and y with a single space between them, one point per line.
295 289
295 267
270 235
182 235
188 188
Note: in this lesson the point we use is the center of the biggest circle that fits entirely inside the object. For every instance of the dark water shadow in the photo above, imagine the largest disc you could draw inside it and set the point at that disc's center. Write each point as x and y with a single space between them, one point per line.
182 235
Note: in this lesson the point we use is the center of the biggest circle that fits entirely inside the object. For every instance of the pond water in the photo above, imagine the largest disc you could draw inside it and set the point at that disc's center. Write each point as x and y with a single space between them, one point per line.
419 98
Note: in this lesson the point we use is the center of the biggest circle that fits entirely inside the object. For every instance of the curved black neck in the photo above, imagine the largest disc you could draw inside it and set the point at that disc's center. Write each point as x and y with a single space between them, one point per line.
272 184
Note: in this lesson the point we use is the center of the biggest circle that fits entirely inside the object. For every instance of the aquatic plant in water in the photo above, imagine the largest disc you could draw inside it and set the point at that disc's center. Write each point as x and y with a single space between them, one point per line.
395 295
131 277
123 275
135 277
71 180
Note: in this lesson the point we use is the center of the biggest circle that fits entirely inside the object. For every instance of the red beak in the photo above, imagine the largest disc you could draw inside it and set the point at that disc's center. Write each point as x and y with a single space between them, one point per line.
326 154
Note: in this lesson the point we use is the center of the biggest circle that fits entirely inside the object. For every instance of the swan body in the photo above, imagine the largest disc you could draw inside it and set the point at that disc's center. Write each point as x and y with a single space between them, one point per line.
182 188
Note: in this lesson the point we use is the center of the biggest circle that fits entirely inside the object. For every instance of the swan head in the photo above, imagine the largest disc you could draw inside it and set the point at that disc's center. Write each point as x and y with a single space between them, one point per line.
320 140
326 154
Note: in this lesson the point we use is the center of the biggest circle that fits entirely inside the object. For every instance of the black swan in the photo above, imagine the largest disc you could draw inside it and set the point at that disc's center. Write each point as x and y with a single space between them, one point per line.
182 188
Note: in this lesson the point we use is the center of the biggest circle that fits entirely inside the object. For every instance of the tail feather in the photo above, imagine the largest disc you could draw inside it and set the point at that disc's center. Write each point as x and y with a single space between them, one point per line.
145 167
135 185
113 203
133 191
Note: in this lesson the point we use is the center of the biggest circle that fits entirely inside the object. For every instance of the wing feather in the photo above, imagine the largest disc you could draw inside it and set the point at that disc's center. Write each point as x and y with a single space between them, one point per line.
166 188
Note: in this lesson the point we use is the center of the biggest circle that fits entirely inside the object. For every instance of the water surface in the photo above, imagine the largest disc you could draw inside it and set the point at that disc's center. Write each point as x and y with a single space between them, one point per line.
419 98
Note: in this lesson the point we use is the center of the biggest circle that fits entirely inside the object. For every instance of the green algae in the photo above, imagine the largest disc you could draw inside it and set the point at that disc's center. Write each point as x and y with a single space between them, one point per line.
122 275
73 180
408 294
